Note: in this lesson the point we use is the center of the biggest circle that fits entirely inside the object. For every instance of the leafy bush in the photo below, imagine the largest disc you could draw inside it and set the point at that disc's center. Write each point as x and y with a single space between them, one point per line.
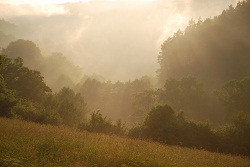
7 99
235 95
26 110
163 125
136 131
30 111
100 124
199 135
235 138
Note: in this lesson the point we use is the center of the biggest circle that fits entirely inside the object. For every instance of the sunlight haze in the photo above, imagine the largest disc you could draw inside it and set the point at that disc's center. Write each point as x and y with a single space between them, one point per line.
125 83
119 40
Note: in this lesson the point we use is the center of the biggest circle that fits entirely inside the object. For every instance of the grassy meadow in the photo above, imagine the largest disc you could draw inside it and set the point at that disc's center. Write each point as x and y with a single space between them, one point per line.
29 144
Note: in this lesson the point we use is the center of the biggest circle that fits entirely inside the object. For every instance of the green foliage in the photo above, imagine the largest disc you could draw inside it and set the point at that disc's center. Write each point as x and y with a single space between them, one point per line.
136 131
57 70
234 138
182 90
100 124
7 99
27 83
65 107
163 125
235 94
35 112
31 99
185 94
199 135
157 121
214 50
26 110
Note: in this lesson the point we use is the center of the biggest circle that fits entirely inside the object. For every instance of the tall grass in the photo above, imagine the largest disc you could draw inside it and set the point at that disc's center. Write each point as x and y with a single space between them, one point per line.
29 144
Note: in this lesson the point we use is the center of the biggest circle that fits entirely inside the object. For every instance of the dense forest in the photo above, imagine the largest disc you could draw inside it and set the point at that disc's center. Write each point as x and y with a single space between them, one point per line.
201 98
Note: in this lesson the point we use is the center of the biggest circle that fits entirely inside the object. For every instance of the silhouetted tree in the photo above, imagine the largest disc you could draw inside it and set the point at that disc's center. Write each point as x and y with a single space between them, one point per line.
164 125
28 83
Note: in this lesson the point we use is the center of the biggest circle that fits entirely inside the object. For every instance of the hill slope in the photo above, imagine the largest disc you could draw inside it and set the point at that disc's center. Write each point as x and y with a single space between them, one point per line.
30 144
214 50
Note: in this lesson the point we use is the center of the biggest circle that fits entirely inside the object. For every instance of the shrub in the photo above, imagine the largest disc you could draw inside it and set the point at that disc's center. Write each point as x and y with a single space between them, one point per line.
8 99
100 124
30 111
26 110
136 131
164 125
235 137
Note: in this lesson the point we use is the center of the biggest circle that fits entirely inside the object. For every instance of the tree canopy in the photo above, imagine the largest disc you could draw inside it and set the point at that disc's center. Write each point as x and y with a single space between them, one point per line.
29 84
214 50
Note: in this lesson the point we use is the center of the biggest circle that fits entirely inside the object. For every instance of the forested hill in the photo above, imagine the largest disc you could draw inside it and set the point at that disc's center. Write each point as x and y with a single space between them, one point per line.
213 50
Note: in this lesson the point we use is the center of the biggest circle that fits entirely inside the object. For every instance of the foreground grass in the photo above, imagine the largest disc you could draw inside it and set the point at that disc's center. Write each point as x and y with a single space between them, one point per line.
30 144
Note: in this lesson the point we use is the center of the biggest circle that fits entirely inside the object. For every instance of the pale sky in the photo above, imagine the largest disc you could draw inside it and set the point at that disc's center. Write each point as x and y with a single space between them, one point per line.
36 2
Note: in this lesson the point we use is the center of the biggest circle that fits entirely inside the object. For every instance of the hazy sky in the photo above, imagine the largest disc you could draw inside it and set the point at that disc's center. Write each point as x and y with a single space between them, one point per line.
36 2
118 39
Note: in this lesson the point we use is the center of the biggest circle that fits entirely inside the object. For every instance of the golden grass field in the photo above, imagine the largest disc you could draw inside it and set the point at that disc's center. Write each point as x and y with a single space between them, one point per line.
29 144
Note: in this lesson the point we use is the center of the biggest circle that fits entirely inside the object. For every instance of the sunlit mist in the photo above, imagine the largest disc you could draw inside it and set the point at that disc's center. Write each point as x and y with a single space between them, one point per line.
117 39
101 82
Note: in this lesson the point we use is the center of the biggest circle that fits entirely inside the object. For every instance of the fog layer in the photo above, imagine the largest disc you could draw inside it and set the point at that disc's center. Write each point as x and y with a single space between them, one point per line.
119 40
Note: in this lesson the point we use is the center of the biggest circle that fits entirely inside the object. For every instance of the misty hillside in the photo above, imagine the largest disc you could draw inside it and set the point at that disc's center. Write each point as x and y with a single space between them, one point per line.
213 50
7 31
94 70
56 68
100 36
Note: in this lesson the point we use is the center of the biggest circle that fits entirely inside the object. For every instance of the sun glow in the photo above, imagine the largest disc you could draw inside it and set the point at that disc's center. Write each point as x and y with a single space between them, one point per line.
42 2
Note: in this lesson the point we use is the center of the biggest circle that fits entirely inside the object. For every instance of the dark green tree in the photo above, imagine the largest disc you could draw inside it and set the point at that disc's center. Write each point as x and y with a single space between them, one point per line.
157 122
235 95
29 84
164 125
185 94
100 124
8 99
234 137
